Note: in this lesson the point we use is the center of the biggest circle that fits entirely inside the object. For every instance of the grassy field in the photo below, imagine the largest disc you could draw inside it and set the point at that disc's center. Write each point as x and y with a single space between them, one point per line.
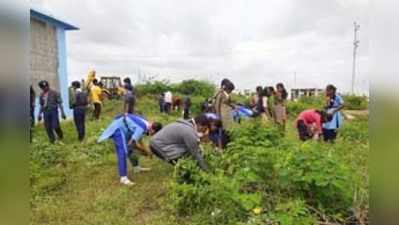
77 183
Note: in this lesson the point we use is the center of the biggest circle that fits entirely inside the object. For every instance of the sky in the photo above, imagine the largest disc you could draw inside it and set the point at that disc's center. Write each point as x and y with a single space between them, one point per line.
306 43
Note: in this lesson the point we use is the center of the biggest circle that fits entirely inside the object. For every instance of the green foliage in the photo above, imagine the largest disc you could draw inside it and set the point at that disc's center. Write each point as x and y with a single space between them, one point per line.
355 131
263 178
354 102
196 87
303 103
186 87
152 88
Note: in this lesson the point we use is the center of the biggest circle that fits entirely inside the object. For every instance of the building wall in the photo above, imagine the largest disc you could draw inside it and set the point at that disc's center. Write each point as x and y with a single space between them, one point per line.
43 54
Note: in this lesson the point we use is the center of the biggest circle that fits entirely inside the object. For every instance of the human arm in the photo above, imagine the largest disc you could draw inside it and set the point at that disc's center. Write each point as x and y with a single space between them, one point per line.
139 145
59 103
192 143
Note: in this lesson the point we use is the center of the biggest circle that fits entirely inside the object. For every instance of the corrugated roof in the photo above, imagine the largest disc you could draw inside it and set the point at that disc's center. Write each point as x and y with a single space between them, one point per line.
40 14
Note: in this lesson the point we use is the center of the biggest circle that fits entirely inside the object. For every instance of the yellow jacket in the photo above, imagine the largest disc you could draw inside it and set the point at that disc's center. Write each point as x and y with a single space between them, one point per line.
96 94
89 79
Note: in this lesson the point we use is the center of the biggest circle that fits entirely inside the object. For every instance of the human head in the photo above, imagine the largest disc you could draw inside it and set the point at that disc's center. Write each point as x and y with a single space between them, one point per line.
154 128
215 125
44 85
127 80
95 82
76 84
228 86
271 90
330 90
280 88
259 89
202 123
223 83
325 117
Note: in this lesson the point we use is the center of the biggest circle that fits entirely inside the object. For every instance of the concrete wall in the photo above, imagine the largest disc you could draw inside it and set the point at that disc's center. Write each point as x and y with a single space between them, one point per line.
43 54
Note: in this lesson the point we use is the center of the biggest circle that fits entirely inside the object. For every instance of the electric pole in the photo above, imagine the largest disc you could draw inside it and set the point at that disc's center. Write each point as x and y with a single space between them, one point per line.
355 46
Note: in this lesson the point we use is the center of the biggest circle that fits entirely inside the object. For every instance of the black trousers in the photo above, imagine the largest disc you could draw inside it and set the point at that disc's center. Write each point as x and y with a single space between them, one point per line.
97 111
186 113
303 131
329 135
52 124
79 117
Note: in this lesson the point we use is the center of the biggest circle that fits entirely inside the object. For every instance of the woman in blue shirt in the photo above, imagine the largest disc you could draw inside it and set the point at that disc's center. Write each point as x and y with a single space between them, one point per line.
127 132
334 105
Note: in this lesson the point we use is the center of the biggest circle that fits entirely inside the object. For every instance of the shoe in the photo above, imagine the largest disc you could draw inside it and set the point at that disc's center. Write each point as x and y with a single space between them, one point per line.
138 169
126 181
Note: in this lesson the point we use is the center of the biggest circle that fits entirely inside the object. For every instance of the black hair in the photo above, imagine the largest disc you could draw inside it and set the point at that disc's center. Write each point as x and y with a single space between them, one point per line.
284 94
202 120
265 92
224 81
218 123
76 84
95 81
127 80
43 84
156 126
270 89
325 117
259 89
331 87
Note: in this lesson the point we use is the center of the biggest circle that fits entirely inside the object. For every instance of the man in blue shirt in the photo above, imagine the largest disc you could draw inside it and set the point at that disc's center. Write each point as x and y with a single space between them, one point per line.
127 132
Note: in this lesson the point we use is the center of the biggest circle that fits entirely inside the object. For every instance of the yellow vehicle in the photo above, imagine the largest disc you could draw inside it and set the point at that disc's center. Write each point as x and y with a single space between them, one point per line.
112 86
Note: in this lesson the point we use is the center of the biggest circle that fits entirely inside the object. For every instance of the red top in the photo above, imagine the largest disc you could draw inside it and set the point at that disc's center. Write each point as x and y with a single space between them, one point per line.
311 117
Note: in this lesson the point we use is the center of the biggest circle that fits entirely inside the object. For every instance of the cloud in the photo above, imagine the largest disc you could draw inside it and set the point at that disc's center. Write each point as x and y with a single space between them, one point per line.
252 42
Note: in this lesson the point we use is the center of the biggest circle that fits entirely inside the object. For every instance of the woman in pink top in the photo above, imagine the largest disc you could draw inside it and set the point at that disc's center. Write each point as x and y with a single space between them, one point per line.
309 124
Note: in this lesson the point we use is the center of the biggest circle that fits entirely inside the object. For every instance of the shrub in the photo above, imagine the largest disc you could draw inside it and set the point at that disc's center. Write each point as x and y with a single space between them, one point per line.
303 103
196 88
353 102
262 178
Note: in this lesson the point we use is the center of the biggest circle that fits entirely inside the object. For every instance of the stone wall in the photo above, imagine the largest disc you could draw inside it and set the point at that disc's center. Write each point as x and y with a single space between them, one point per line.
43 54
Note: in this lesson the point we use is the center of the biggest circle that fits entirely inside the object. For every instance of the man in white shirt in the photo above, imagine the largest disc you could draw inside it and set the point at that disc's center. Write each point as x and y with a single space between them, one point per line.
168 101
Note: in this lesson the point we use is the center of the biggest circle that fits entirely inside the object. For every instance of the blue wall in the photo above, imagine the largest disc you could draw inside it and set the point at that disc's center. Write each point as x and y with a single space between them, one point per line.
62 70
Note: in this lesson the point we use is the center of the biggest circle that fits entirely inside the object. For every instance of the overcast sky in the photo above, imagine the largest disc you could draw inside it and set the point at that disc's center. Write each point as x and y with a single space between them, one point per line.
250 41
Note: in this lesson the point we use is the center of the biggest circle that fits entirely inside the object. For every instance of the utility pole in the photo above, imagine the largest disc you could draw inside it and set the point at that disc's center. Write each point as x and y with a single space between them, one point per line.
355 46
295 79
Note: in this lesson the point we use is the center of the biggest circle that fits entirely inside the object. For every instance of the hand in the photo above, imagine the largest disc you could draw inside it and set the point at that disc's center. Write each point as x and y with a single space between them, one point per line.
39 118
63 116
130 142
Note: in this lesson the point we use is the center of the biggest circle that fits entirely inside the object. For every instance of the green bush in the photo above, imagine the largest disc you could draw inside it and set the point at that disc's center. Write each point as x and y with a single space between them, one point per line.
153 88
196 88
353 102
303 103
262 178
186 87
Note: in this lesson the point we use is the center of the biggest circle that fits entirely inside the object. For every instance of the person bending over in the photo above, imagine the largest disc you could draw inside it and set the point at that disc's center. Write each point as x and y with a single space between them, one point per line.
127 133
309 124
180 139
